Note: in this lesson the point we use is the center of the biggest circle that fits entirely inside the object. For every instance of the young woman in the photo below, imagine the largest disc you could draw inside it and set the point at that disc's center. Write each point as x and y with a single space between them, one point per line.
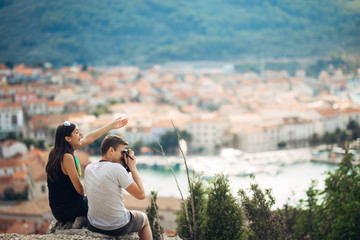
67 198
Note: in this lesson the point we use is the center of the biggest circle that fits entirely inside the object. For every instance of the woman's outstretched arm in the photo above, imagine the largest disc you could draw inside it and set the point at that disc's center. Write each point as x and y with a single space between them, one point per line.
91 137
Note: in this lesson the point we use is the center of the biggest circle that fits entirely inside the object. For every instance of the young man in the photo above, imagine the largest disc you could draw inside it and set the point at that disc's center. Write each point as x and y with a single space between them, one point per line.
104 181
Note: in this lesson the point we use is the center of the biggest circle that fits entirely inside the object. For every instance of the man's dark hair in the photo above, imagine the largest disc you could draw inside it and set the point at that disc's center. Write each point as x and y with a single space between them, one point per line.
111 141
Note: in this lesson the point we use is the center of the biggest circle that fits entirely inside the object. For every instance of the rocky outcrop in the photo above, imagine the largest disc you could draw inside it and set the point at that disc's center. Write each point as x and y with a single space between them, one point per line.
80 235
76 230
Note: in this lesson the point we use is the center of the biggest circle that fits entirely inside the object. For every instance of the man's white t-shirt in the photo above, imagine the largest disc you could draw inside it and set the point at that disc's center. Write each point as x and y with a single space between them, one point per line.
103 184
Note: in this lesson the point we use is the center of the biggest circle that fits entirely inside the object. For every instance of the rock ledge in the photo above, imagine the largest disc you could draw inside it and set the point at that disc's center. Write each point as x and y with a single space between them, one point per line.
72 230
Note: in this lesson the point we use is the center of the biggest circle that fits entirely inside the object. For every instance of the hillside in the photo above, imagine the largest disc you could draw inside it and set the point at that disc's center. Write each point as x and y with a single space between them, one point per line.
120 31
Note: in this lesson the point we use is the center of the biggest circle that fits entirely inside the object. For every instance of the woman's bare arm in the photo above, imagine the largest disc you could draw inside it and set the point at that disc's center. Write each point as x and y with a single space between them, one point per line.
68 167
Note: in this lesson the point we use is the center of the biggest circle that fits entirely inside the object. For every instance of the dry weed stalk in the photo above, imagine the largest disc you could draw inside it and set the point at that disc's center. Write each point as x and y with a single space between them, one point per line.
194 235
177 184
193 232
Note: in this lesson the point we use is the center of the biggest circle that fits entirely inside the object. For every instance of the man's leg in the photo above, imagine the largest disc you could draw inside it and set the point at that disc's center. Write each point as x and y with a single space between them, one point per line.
145 232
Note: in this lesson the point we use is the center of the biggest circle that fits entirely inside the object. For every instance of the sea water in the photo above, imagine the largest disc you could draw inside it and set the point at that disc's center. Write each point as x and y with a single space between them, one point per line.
288 186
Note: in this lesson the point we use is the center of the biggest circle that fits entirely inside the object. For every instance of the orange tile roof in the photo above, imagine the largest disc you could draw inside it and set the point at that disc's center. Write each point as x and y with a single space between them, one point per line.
188 108
55 103
5 224
22 228
36 207
10 105
84 76
350 111
279 80
37 85
77 115
23 70
3 66
163 124
327 112
36 101
38 118
20 175
36 161
205 120
26 93
11 162
44 227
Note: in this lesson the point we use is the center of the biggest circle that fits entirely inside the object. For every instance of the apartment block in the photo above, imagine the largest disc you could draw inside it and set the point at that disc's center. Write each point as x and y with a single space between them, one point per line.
11 118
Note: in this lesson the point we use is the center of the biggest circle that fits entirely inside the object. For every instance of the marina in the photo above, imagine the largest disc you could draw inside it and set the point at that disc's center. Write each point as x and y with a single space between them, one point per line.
287 172
332 156
231 162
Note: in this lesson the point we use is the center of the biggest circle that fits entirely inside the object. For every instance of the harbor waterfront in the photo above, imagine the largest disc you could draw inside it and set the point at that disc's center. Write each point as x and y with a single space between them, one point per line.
288 172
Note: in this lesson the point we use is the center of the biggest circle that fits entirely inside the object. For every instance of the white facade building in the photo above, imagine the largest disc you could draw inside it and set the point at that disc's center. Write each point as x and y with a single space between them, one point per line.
294 132
11 118
330 120
138 134
207 132
36 107
347 115
10 148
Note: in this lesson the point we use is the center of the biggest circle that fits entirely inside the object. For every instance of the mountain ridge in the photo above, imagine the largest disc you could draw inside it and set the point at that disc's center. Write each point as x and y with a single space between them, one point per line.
113 32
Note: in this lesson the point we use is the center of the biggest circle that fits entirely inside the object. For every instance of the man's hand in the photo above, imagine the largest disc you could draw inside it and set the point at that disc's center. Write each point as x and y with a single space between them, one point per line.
131 162
136 188
120 122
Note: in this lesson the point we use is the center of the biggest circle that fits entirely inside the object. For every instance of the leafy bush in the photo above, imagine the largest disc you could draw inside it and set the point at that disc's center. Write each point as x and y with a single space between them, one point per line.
224 219
200 202
338 215
152 213
263 222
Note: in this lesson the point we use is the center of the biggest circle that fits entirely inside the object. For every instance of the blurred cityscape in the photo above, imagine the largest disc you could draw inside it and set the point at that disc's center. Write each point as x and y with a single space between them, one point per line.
216 105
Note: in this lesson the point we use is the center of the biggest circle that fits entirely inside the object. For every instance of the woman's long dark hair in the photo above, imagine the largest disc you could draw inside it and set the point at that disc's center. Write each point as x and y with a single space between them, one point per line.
61 147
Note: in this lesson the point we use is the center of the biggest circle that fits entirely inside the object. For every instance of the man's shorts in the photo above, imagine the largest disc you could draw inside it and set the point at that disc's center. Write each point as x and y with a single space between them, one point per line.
134 225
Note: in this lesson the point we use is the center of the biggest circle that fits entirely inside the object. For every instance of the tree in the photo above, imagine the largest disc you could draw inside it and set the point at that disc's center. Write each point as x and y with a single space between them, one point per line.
200 202
11 136
224 219
154 146
281 145
40 144
340 213
94 147
352 125
290 214
100 110
136 147
10 194
307 221
338 216
169 140
263 223
28 142
314 140
152 213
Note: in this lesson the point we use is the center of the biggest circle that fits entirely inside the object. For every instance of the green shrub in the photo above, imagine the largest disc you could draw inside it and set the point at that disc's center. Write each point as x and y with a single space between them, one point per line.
224 219
200 202
152 213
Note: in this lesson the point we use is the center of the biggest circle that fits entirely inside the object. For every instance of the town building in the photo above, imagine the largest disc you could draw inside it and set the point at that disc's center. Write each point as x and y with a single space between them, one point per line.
11 118
207 132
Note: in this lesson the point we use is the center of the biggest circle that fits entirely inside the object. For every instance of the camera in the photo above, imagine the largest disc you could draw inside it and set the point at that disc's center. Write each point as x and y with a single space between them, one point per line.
126 153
